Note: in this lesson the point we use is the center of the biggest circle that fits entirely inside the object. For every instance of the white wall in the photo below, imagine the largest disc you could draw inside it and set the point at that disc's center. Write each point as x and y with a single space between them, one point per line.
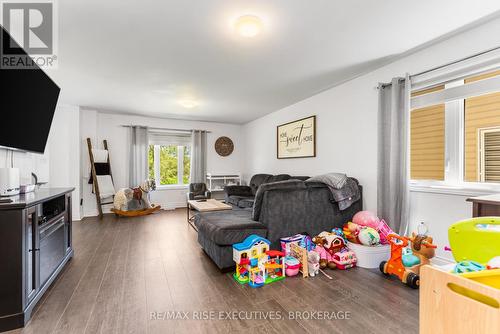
347 129
59 165
99 126
64 156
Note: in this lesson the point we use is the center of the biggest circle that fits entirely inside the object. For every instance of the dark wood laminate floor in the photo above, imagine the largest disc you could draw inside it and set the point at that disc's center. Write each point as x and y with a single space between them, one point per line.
125 269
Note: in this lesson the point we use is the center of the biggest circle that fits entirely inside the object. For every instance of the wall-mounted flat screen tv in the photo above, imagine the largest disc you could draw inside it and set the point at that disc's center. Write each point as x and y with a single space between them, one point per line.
28 99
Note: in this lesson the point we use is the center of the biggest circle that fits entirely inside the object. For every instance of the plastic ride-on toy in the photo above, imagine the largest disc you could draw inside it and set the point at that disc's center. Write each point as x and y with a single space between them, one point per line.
407 266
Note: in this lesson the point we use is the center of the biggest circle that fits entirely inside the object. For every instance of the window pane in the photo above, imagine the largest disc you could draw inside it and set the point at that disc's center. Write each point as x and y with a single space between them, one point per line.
187 164
427 140
168 164
482 123
151 162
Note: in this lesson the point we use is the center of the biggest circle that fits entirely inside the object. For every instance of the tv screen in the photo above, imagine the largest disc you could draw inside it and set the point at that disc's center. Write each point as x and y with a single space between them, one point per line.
28 100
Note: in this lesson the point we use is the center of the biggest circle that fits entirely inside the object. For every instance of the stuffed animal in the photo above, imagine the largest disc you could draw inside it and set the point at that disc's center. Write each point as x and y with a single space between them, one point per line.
325 257
351 232
134 198
313 263
327 244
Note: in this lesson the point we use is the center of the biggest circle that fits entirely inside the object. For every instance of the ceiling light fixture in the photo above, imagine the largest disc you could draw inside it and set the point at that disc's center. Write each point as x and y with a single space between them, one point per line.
248 25
188 103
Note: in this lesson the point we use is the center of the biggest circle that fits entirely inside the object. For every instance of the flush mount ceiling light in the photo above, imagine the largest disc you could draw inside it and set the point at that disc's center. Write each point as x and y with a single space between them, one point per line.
248 25
189 104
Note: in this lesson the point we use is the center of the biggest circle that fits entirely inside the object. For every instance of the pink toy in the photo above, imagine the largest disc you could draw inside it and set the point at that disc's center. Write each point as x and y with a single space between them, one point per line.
324 256
345 260
366 218
384 230
292 266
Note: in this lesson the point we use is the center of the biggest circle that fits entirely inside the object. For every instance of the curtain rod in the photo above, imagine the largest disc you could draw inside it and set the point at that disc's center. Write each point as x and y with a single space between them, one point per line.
165 129
383 85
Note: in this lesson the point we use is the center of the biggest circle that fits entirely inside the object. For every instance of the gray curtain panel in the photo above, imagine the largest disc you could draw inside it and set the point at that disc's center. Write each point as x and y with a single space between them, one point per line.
138 168
198 170
393 154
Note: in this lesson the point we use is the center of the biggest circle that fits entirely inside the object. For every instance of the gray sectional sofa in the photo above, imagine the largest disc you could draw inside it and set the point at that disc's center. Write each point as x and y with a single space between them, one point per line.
279 209
243 196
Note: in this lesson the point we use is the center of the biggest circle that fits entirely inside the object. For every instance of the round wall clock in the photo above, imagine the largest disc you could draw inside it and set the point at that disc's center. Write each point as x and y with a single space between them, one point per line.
224 146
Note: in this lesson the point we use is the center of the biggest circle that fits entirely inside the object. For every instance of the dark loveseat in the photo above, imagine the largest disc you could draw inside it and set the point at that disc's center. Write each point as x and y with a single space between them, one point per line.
280 209
243 196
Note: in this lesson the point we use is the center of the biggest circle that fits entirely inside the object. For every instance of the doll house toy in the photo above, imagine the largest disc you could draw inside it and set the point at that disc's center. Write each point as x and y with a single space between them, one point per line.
256 264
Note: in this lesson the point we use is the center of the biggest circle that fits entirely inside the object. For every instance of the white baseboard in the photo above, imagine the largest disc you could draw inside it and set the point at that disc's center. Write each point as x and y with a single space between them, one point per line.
173 205
106 208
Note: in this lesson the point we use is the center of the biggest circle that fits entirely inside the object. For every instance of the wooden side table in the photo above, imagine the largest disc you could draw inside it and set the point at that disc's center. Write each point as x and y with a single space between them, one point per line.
485 206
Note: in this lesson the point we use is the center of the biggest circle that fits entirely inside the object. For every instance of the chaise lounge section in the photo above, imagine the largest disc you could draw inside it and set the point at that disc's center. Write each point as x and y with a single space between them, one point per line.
280 209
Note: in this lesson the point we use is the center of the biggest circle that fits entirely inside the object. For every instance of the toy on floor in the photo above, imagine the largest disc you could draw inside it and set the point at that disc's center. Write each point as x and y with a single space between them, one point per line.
408 269
345 260
302 240
292 266
313 263
132 202
323 249
408 258
288 241
300 254
256 264
333 251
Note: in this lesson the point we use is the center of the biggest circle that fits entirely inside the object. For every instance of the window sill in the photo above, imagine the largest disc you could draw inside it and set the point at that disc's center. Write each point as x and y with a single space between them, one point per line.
454 190
172 187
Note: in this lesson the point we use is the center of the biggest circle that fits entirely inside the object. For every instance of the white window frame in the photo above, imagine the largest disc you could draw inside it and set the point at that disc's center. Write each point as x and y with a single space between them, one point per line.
454 180
180 168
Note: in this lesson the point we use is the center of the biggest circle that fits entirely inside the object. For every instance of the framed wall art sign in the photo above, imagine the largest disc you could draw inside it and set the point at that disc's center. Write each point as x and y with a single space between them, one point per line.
297 139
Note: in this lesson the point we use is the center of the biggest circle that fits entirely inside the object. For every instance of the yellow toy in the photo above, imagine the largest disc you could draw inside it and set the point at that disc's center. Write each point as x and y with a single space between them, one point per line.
476 239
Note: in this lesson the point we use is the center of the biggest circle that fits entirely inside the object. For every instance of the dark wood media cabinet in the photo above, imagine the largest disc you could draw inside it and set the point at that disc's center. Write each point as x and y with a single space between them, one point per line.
35 232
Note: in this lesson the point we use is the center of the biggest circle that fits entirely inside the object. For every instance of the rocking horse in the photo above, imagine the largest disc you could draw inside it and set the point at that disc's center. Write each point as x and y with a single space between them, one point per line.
133 202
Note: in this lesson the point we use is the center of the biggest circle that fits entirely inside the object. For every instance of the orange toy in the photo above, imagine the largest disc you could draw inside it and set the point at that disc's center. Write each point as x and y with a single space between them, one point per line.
422 247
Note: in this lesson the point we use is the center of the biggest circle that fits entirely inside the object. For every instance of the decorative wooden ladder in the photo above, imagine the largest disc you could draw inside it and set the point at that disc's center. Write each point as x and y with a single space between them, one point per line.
95 184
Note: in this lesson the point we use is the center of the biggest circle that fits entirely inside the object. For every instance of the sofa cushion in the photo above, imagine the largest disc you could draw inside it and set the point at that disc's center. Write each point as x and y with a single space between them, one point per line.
198 197
246 202
277 178
257 180
228 227
288 185
234 199
299 177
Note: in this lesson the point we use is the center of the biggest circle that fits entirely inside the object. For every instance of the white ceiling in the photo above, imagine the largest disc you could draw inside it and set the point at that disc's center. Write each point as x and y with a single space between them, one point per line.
142 57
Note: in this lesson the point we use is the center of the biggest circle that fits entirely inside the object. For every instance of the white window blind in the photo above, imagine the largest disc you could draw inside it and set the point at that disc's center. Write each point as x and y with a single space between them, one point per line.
169 138
477 88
